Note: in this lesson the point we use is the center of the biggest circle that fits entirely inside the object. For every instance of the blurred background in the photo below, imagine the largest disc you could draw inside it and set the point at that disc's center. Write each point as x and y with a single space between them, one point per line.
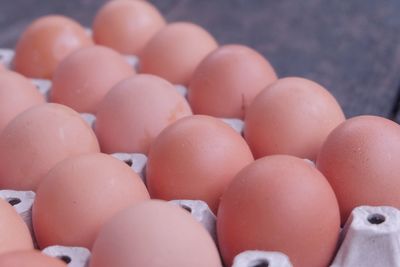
350 47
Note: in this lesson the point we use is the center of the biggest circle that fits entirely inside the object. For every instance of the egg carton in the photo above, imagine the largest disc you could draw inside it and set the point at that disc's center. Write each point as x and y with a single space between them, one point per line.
370 237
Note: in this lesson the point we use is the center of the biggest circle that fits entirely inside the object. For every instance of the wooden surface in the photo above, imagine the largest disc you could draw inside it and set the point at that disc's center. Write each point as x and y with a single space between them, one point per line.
350 47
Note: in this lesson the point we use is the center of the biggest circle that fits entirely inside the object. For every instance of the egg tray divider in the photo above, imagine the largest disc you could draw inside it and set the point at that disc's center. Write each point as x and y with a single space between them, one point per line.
370 237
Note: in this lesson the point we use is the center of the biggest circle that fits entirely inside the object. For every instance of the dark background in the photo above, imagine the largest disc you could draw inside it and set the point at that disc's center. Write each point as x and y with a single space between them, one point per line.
351 47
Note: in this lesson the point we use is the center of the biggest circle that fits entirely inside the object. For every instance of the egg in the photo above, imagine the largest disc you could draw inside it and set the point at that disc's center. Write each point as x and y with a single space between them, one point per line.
79 195
154 234
37 139
14 233
227 80
291 116
84 78
29 258
280 203
135 111
195 158
361 160
175 51
46 42
126 25
17 94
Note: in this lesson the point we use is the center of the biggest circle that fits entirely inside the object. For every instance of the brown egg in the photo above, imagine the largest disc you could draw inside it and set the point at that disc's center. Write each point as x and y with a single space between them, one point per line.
227 80
14 234
84 78
361 160
46 42
195 158
79 195
154 234
17 94
29 258
291 116
126 25
39 138
175 52
135 111
280 203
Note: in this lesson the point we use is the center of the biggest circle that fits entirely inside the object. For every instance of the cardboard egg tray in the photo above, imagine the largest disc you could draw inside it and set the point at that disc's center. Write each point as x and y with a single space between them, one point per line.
370 237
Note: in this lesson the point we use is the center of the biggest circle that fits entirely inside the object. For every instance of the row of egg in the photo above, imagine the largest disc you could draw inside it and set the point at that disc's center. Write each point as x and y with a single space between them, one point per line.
276 203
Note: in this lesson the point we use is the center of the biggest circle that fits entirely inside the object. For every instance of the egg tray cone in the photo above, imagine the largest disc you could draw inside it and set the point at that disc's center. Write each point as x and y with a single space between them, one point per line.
370 237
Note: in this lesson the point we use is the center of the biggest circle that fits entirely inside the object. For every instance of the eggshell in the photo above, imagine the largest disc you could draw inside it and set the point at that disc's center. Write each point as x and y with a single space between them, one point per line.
227 80
154 234
84 78
280 203
361 160
195 158
126 25
46 42
175 51
39 138
29 258
135 111
79 195
291 116
14 234
17 94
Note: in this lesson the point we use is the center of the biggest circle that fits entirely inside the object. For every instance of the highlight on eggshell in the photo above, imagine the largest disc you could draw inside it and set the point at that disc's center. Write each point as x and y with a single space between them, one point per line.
361 160
195 158
84 77
135 111
37 139
45 43
279 203
17 94
79 195
291 116
175 51
154 234
29 258
126 25
227 80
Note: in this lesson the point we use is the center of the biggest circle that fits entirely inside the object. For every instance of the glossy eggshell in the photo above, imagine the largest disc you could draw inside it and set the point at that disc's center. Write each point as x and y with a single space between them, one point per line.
84 78
361 160
280 203
227 80
14 234
135 111
126 25
17 94
291 116
46 42
175 52
79 195
29 258
154 234
195 158
37 139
